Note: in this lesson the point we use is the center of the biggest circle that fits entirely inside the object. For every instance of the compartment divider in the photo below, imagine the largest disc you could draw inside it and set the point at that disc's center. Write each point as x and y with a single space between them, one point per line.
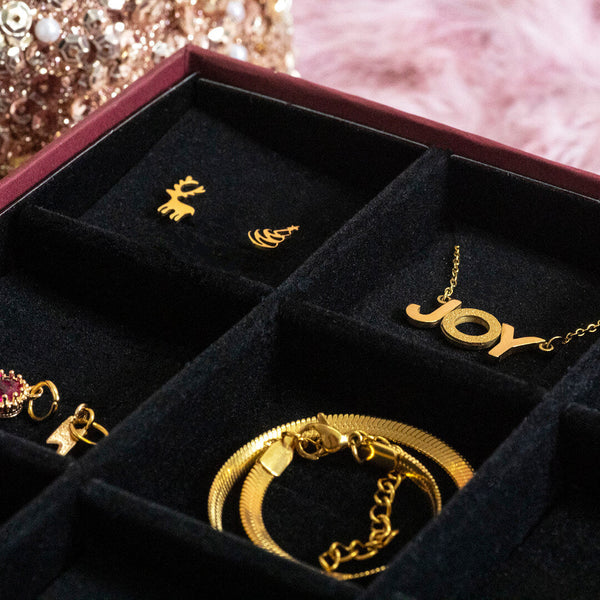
398 251
581 448
37 543
485 522
368 245
132 548
259 375
189 342
494 514
315 338
148 287
164 433
560 552
26 470
331 144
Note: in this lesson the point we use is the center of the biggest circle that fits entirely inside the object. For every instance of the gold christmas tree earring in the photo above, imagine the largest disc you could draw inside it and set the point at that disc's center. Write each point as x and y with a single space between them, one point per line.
269 238
15 392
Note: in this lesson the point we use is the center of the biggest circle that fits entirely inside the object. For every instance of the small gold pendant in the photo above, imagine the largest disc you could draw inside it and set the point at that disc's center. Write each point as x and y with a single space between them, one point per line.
499 337
75 429
62 437
174 208
267 238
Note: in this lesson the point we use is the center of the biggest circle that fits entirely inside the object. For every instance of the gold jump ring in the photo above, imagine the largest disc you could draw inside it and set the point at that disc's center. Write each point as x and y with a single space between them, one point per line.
89 422
35 392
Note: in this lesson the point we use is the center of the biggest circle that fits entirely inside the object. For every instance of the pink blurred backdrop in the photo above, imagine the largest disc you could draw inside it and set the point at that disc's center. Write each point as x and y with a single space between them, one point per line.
522 72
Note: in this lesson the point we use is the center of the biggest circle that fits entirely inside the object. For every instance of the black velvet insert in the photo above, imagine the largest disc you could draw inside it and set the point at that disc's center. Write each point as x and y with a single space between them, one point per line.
559 558
248 187
80 182
269 370
90 357
35 545
457 555
398 251
26 471
188 342
264 165
148 289
129 548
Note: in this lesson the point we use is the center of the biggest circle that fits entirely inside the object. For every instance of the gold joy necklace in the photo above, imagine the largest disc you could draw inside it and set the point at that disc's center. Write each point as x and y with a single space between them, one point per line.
499 337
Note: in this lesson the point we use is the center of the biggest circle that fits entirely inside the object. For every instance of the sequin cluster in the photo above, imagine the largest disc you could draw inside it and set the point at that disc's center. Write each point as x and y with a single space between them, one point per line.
60 59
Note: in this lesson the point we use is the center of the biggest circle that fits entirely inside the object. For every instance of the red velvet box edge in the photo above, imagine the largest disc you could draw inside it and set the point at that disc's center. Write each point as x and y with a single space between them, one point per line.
294 90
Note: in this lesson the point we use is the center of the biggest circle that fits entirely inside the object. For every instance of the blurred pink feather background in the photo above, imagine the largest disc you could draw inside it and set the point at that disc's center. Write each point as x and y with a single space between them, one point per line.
523 72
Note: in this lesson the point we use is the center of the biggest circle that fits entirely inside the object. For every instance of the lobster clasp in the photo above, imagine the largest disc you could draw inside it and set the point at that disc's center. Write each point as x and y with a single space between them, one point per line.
328 439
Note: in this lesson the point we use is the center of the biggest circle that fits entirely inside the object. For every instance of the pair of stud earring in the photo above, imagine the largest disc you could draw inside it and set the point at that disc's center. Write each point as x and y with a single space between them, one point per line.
176 210
15 392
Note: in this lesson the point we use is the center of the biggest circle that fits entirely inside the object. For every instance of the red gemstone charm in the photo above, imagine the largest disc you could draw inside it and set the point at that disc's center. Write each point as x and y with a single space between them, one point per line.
13 392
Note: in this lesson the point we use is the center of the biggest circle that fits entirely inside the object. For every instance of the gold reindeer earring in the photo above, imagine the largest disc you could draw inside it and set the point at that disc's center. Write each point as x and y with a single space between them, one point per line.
174 206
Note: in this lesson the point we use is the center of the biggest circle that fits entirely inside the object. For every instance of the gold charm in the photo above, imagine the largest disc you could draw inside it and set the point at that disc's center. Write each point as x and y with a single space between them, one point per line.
62 438
267 238
174 206
75 429
15 391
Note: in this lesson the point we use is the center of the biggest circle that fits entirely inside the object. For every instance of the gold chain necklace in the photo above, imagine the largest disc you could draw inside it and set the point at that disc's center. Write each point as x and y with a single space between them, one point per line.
371 440
499 337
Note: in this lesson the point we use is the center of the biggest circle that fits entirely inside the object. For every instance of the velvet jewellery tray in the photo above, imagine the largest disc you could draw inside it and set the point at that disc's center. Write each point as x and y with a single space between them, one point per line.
188 341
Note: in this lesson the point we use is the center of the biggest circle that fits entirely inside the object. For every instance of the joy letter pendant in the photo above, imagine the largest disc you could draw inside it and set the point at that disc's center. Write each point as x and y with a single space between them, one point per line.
449 315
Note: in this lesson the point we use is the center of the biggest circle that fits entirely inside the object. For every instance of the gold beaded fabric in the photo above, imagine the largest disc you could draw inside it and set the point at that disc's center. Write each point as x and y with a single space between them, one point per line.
61 59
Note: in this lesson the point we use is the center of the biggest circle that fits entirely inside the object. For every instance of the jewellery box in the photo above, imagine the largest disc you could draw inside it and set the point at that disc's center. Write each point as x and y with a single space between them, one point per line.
188 341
